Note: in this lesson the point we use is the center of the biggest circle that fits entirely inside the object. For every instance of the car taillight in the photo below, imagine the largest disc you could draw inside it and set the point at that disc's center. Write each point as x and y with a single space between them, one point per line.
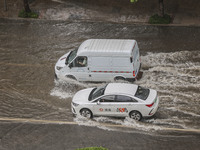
150 105
134 73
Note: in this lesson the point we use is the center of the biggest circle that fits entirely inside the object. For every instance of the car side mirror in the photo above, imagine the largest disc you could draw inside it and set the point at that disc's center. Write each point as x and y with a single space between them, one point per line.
98 102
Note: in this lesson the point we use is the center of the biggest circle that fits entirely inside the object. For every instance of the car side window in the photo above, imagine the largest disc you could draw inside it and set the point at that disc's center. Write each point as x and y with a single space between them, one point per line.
108 98
122 98
80 61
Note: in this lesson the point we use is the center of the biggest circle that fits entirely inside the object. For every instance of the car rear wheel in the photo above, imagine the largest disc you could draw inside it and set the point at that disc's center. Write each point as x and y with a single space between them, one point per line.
86 113
135 115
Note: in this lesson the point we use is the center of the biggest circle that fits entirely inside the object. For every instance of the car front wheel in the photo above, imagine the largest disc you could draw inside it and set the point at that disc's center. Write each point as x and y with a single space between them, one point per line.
86 113
136 115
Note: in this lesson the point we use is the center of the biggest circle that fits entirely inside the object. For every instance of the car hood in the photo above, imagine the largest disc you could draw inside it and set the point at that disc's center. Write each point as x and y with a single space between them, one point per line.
82 96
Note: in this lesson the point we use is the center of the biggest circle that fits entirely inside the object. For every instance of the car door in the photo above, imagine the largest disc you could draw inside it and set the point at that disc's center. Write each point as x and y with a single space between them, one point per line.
124 104
104 106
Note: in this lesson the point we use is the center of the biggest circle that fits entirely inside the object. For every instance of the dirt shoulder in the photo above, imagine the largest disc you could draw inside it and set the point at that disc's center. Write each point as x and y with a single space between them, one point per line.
184 12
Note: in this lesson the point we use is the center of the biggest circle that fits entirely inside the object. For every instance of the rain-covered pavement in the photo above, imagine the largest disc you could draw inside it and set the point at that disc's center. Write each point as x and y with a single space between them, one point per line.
29 50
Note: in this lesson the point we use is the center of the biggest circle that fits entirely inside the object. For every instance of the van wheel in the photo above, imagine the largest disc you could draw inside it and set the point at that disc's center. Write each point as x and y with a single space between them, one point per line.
71 77
135 115
119 79
86 113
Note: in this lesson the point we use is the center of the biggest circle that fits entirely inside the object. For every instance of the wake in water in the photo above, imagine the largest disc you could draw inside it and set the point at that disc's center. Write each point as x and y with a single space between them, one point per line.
68 87
108 123
176 77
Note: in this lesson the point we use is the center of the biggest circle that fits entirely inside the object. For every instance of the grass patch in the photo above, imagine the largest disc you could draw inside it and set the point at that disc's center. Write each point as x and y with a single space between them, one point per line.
24 14
92 148
156 19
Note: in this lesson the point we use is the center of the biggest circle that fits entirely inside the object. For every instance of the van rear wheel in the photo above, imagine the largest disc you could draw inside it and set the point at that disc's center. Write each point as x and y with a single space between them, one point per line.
119 79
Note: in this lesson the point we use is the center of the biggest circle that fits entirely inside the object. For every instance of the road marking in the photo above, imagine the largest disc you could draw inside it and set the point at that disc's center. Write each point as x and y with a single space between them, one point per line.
75 123
37 121
22 65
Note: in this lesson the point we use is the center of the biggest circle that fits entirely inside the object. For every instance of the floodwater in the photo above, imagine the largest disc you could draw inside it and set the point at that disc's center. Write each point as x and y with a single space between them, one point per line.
176 77
29 50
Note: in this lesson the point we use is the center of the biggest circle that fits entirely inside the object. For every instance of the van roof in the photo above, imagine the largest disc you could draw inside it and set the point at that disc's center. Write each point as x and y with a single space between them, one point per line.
106 47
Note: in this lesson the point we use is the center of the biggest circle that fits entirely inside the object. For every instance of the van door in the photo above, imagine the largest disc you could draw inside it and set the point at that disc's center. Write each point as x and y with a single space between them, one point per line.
79 68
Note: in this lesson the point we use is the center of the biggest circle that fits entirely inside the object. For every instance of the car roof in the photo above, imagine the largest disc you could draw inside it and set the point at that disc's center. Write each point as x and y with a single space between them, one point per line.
121 88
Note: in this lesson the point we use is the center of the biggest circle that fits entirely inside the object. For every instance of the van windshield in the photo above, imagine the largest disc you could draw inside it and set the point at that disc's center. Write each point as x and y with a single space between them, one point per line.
142 93
71 56
96 92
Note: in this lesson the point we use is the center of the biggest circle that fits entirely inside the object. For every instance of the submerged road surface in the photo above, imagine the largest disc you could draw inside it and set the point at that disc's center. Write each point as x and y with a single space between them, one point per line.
29 50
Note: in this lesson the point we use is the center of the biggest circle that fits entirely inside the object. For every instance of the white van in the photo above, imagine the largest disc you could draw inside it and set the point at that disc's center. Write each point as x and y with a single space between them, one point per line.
101 60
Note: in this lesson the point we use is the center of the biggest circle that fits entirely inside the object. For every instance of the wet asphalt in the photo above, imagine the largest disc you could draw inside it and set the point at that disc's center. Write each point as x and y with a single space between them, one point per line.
29 50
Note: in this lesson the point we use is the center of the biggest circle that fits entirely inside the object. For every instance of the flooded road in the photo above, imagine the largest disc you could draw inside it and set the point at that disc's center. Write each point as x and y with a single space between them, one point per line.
29 50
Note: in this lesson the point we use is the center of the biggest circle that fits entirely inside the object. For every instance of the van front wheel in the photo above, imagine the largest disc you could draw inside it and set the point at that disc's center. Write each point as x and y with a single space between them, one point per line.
71 77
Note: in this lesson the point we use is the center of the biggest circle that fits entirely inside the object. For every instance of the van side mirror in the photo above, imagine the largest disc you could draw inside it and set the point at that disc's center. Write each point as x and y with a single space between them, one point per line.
98 102
70 65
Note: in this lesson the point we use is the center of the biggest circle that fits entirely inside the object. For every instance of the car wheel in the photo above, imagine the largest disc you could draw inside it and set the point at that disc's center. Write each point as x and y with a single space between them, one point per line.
56 77
135 115
119 79
71 77
86 113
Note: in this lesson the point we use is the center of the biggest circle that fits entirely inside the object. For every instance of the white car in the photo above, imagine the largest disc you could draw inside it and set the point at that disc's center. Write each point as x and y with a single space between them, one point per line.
116 99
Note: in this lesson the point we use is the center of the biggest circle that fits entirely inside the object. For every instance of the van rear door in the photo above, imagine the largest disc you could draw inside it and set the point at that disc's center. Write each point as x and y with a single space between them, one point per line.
136 60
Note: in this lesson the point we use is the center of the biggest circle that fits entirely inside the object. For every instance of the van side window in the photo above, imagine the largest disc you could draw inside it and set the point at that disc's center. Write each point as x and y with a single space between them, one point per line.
81 61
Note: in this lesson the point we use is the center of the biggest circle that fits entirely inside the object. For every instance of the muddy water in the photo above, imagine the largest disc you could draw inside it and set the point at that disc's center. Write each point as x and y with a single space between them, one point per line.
176 77
29 50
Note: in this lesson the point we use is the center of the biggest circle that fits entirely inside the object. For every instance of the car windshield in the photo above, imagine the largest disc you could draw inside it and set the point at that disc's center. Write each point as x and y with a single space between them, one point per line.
142 93
71 56
96 92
